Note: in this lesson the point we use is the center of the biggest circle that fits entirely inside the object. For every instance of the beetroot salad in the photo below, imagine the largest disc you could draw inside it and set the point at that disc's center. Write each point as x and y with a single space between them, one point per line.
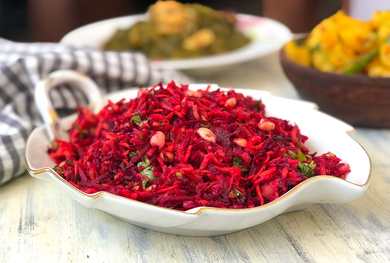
178 148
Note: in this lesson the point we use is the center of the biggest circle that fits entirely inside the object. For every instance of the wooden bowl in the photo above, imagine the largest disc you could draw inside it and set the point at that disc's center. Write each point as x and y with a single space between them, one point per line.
358 99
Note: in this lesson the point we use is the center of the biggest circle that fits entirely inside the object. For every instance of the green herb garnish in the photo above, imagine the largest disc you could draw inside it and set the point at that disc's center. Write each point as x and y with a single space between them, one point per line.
147 169
145 183
132 154
148 172
306 166
136 119
307 169
237 161
300 156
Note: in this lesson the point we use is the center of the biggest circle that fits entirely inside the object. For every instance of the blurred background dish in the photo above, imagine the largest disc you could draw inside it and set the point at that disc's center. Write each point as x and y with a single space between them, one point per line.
47 20
174 30
266 36
358 99
343 65
346 45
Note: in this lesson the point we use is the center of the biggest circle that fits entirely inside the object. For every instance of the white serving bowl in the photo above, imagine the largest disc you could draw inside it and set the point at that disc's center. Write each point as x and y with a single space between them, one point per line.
267 36
325 134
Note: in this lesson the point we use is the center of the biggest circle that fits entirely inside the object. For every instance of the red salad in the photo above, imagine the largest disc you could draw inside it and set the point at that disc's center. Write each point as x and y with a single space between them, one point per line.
177 148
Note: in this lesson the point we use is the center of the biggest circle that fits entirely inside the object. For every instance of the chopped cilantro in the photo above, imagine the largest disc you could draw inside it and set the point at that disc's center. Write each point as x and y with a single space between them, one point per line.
147 168
136 119
300 156
132 154
306 166
237 161
145 183
148 172
307 169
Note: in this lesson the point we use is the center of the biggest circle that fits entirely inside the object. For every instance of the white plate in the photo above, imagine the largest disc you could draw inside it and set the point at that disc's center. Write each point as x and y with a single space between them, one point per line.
325 134
267 36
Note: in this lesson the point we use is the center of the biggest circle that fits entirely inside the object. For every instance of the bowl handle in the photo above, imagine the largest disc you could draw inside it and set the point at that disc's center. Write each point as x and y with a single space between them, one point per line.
44 105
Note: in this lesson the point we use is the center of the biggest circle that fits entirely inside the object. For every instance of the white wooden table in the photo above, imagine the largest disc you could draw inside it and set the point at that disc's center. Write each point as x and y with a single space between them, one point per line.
38 223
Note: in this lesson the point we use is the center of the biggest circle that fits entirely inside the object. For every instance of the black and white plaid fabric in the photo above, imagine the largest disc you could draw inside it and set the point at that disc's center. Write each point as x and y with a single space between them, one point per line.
23 64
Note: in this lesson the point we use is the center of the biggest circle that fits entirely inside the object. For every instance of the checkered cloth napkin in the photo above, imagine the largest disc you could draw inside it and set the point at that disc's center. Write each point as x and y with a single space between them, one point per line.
22 65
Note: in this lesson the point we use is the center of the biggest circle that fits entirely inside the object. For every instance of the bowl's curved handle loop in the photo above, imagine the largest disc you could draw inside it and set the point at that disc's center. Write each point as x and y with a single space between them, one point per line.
44 105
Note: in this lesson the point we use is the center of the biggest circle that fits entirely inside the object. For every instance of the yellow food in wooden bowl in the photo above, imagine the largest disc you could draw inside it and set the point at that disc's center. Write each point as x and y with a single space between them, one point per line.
346 45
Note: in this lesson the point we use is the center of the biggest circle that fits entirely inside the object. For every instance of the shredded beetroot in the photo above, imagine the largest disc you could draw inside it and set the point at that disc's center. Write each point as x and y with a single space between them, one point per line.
181 149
